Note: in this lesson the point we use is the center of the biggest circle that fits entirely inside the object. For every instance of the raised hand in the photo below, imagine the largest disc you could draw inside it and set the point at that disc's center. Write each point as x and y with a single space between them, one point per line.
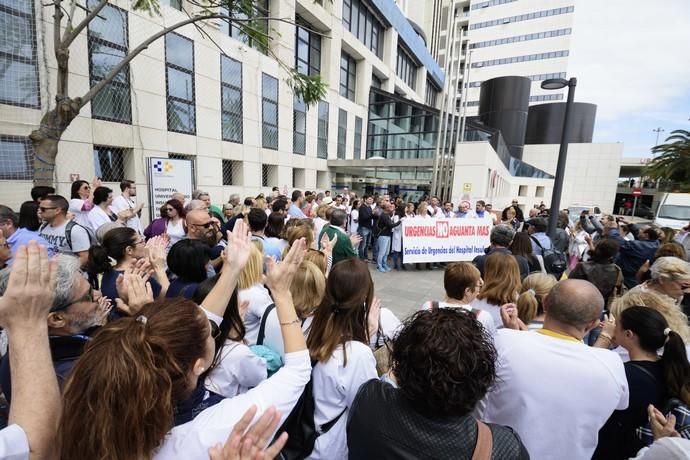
328 245
156 248
279 275
509 316
374 316
137 293
236 254
30 289
250 445
124 215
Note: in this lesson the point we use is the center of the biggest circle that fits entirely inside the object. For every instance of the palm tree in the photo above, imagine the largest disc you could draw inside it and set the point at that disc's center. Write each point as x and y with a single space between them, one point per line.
672 161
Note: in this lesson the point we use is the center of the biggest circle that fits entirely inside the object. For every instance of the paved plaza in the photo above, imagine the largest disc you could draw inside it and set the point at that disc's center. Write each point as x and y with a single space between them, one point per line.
404 292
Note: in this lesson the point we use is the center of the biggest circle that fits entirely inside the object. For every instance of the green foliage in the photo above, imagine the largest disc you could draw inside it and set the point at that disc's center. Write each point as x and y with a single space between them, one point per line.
152 7
311 89
672 160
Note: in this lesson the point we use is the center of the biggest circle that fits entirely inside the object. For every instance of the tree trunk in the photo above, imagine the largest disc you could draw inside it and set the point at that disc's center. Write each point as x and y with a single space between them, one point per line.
45 139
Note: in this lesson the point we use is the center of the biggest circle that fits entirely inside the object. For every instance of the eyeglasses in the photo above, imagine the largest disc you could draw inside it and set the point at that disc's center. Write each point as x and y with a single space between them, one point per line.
137 243
215 329
42 209
207 225
88 297
169 209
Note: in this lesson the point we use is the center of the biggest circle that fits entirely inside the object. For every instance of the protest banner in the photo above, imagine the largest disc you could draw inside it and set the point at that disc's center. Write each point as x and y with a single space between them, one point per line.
167 176
444 240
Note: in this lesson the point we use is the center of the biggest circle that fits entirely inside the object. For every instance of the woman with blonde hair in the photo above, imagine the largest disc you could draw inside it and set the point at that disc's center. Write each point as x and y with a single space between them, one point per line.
252 290
670 276
299 228
320 220
501 285
677 320
307 288
530 303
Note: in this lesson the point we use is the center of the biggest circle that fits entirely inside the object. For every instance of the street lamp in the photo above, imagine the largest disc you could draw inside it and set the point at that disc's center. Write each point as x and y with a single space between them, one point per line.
551 84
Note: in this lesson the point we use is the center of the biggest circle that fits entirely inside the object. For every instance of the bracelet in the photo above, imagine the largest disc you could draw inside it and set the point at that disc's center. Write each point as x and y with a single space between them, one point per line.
606 336
289 323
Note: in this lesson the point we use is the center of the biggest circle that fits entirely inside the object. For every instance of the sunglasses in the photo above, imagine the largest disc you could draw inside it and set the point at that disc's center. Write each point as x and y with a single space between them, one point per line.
42 209
207 225
88 297
169 209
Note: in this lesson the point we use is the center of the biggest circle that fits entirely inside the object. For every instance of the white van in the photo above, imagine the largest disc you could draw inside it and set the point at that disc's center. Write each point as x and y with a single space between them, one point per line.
674 211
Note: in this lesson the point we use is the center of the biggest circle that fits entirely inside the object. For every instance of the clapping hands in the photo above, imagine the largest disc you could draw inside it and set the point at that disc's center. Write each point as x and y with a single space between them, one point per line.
251 445
236 254
279 275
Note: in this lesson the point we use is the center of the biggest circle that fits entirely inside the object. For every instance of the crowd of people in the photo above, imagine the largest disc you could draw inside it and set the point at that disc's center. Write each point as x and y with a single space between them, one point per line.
253 330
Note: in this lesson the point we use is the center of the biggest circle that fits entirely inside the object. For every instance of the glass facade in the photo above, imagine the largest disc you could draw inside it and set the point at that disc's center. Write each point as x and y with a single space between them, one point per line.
231 99
523 17
359 19
537 77
259 9
431 94
179 78
299 127
348 75
307 50
342 134
357 150
19 82
16 158
322 141
269 112
522 38
525 58
406 68
399 128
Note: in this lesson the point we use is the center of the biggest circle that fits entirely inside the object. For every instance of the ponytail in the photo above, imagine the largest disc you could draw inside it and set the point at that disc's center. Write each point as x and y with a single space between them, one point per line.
528 306
131 374
676 367
98 262
103 258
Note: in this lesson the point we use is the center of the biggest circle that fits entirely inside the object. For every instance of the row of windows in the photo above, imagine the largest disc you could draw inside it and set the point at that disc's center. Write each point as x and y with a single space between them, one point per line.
348 76
546 97
522 38
479 5
307 50
537 77
361 22
19 81
523 17
406 68
259 10
431 94
525 58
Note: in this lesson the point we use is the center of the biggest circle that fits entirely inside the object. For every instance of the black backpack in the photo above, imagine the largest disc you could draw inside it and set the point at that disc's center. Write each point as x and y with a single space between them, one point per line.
555 262
301 428
68 233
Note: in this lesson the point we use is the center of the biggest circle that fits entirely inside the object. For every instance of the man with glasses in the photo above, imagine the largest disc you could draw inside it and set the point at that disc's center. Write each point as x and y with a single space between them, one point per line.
125 202
65 236
200 226
76 308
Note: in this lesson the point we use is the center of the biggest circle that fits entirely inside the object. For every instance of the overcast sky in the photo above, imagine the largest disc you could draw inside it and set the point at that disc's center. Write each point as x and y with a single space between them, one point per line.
632 59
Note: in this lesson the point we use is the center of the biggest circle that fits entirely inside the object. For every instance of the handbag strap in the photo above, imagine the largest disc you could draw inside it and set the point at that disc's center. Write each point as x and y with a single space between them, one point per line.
484 446
262 327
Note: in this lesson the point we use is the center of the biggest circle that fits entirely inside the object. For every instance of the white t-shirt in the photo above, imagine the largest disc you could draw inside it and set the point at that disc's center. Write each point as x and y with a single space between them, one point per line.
555 393
335 387
14 445
80 208
57 239
354 223
238 370
484 316
191 441
259 299
492 309
98 217
175 231
121 203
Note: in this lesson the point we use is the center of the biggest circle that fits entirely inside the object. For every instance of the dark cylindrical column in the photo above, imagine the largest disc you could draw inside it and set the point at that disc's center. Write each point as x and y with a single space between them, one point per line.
545 123
503 105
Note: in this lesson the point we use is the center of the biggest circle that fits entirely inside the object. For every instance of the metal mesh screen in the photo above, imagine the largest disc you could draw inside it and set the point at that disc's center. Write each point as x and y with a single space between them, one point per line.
299 125
232 172
113 164
298 178
269 112
16 158
269 175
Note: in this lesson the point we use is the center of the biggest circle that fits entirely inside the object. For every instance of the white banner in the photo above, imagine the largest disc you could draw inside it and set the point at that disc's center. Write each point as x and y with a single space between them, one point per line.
444 240
167 176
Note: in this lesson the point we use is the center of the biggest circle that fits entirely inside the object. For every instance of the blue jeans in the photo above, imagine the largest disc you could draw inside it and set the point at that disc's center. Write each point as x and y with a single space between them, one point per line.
383 245
365 233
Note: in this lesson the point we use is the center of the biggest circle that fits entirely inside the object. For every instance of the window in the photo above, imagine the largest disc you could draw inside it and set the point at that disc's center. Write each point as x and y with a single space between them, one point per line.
540 191
110 163
232 172
107 42
259 9
322 142
376 81
406 68
179 79
269 175
177 4
536 77
298 178
432 93
348 74
299 127
16 158
490 3
19 82
361 22
546 97
269 112
322 181
307 50
358 139
231 99
529 57
522 38
523 17
522 190
342 133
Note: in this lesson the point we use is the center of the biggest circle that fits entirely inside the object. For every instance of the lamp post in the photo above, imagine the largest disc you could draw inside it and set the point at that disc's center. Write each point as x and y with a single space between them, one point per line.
550 84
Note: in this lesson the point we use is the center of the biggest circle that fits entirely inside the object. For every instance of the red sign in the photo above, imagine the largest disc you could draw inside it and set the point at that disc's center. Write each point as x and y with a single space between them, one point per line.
637 192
